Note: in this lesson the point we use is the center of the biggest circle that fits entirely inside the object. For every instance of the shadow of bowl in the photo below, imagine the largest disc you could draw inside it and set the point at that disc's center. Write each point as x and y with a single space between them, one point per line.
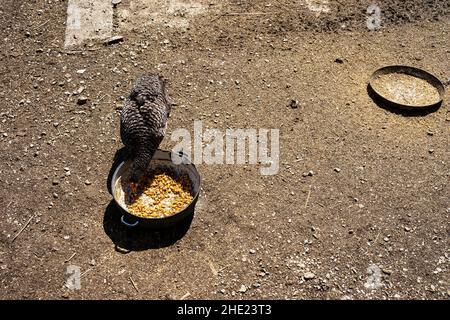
387 105
138 239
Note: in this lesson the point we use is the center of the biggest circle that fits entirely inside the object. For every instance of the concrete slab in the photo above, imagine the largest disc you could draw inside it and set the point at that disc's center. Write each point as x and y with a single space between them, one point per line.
88 21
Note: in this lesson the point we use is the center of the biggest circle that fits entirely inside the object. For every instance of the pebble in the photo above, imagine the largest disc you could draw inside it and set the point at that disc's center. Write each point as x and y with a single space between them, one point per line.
337 170
309 276
293 104
80 90
87 182
116 2
310 173
55 182
243 289
252 251
407 229
82 100
386 271
114 39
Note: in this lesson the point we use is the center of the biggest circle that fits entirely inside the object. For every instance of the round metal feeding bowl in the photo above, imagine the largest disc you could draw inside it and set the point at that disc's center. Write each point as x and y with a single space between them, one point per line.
161 160
378 83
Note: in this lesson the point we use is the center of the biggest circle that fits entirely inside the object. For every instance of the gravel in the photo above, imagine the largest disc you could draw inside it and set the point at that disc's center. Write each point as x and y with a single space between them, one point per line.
309 276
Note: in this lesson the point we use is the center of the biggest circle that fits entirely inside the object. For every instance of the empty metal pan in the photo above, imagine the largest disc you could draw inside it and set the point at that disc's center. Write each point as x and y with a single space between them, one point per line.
406 87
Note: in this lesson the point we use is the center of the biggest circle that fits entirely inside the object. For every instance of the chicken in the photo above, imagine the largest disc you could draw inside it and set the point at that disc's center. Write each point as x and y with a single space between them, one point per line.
143 122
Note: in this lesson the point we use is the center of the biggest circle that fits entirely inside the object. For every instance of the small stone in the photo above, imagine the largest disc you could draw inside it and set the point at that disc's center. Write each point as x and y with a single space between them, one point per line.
166 41
386 271
293 104
337 170
114 39
66 237
82 100
116 2
81 71
87 182
55 195
309 276
252 251
80 90
55 182
407 229
310 173
92 262
339 61
242 289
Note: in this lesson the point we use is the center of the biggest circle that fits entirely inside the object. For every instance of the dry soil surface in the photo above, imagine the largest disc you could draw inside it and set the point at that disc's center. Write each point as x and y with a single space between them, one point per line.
359 209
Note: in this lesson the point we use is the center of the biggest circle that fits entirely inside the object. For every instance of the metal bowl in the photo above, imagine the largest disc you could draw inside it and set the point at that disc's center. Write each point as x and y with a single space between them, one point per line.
161 160
413 73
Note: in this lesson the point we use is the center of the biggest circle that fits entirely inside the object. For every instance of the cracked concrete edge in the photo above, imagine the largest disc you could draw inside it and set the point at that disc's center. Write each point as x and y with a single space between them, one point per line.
88 21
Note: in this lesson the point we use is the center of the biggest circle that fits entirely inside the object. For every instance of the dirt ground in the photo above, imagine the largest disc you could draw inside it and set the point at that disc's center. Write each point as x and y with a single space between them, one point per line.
232 64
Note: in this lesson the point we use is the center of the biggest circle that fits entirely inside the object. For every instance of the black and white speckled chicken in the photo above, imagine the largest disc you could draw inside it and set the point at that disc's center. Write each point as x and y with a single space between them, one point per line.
143 122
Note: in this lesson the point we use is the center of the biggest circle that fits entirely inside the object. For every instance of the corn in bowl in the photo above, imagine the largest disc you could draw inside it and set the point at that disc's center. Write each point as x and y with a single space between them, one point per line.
159 194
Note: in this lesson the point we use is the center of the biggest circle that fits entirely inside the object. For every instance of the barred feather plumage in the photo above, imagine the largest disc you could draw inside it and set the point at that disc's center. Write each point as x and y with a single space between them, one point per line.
143 121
